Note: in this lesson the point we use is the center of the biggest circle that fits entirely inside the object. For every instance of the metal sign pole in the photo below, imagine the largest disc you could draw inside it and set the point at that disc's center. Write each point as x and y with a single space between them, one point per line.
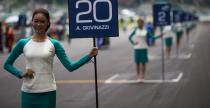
96 78
163 55
92 26
161 13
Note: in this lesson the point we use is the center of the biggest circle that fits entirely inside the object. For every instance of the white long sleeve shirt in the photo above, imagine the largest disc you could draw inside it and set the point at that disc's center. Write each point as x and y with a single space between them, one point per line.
139 38
39 58
167 32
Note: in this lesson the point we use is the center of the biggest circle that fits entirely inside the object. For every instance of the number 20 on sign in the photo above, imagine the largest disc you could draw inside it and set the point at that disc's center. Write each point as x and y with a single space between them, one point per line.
93 18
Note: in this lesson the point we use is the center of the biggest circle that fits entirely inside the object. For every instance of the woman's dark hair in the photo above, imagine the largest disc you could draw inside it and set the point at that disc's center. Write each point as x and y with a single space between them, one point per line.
140 22
44 12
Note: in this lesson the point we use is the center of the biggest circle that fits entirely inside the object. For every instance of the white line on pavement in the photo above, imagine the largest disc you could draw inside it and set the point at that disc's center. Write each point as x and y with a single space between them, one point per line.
111 81
185 56
181 56
178 78
111 78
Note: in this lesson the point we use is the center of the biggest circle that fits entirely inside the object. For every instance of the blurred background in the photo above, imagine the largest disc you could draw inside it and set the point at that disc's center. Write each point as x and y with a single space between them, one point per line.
17 14
187 73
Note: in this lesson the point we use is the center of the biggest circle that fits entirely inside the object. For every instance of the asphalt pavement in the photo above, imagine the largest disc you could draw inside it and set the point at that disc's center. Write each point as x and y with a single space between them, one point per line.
185 85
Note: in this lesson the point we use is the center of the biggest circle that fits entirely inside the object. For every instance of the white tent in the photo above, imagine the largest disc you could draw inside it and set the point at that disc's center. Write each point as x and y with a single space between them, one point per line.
12 19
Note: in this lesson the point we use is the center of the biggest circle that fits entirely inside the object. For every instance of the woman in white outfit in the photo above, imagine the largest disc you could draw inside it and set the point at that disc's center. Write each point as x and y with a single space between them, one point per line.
39 86
168 35
138 39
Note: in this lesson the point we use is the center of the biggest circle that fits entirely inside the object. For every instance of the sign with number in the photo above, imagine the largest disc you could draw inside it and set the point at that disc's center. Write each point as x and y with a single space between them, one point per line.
195 18
177 16
187 17
93 18
161 14
192 17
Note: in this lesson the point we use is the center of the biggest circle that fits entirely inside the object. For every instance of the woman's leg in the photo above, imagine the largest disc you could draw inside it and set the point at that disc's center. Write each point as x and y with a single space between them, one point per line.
168 51
138 69
177 46
142 71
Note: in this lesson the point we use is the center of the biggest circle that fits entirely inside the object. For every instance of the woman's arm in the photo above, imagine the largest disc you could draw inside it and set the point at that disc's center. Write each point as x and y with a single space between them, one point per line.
131 36
8 63
154 36
66 61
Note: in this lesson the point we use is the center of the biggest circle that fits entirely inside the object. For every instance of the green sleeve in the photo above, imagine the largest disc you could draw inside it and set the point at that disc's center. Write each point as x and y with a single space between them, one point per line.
131 36
8 63
157 37
174 29
65 60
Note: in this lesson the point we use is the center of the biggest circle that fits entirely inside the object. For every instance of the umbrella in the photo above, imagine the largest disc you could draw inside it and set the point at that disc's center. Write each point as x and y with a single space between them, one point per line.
12 19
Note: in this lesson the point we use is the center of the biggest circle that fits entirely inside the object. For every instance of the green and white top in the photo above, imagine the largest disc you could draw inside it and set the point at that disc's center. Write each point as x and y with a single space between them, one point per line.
178 28
138 38
168 32
39 57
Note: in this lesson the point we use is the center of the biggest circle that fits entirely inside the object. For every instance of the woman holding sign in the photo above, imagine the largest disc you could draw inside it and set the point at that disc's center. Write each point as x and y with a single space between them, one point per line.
178 29
168 35
138 39
39 86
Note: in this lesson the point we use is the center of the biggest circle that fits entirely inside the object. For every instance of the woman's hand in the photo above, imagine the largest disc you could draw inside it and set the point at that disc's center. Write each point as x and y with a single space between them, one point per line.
28 74
93 52
136 43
